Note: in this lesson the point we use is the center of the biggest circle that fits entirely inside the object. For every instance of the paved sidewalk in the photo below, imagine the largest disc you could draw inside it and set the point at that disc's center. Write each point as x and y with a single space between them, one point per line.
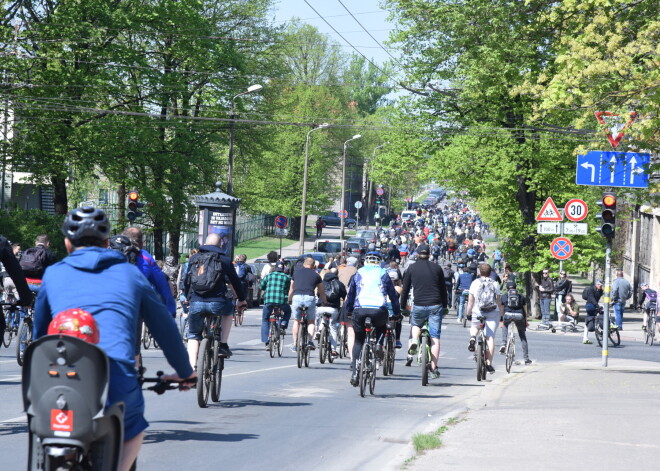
573 415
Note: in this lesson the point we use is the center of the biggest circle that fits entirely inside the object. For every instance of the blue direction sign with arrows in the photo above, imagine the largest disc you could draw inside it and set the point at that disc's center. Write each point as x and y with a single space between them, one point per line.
620 169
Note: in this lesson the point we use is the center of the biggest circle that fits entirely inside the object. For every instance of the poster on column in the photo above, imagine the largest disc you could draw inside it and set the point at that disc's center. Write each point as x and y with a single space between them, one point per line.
221 223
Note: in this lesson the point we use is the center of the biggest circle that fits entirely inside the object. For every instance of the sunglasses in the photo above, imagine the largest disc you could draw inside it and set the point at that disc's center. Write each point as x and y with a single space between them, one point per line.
546 273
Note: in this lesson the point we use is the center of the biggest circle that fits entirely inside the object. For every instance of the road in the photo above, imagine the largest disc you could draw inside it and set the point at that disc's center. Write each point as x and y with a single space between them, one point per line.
274 415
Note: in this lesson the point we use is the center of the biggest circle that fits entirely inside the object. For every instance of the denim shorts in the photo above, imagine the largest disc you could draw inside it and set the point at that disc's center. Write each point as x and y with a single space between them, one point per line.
300 300
434 315
199 309
124 387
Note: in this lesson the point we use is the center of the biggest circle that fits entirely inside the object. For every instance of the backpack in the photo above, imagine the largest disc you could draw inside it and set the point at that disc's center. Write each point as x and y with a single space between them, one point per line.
370 293
332 290
486 296
651 296
472 267
205 271
34 261
241 271
435 250
514 300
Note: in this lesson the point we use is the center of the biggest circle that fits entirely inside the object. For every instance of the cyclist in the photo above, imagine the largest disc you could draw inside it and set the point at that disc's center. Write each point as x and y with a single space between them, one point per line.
275 286
428 281
514 311
14 273
484 300
301 293
101 282
591 295
335 293
206 291
648 299
462 290
35 260
367 296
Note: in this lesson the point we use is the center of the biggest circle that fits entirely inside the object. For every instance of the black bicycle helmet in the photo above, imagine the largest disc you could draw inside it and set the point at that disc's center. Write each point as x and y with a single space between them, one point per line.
86 224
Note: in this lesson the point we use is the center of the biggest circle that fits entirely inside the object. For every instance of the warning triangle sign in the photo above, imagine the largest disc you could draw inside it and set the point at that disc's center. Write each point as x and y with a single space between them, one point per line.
549 212
616 128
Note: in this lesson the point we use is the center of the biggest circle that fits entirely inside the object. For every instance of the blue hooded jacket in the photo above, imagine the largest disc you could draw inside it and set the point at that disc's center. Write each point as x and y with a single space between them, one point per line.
115 292
147 265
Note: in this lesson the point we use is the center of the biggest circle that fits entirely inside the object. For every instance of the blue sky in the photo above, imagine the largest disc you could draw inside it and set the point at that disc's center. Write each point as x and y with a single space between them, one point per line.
367 12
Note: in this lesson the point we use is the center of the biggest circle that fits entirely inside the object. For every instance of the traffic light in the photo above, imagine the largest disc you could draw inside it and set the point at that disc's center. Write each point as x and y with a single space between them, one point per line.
134 205
607 216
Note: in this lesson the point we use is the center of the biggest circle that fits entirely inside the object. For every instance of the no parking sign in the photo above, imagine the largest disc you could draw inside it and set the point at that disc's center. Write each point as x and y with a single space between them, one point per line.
561 248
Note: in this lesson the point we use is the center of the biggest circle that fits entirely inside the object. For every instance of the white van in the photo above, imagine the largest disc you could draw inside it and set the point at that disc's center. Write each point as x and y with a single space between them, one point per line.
408 214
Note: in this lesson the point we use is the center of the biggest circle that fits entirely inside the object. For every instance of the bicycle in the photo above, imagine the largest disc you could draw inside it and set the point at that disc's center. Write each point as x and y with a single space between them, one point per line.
238 317
463 306
275 332
481 350
342 341
302 350
510 349
389 346
612 331
368 364
24 335
146 337
210 363
651 322
325 348
11 313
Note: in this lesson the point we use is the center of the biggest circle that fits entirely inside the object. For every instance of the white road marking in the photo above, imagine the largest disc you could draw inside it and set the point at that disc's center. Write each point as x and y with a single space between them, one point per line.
22 418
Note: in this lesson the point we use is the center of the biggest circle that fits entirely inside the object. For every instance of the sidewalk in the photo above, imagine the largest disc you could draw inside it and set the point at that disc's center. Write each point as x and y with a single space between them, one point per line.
574 415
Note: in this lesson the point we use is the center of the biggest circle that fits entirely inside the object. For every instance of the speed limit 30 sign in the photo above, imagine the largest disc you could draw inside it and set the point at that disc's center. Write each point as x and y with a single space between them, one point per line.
576 210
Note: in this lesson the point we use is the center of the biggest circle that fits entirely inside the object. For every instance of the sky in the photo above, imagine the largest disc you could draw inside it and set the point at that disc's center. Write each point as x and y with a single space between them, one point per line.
367 12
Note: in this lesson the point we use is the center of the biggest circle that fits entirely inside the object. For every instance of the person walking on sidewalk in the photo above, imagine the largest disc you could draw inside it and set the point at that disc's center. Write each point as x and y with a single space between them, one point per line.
621 292
546 288
591 295
514 311
320 224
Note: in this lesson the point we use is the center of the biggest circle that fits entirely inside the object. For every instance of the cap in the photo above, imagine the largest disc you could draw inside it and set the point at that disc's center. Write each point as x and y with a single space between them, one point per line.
599 282
511 285
352 261
423 249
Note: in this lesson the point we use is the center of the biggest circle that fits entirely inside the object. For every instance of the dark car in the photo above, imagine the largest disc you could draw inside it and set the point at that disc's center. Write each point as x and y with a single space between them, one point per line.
367 234
334 220
357 247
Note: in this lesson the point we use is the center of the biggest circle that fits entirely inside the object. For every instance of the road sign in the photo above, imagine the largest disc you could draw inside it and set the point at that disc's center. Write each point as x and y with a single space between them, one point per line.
576 210
358 204
281 232
622 169
616 128
549 212
576 228
548 228
561 248
380 192
281 222
343 214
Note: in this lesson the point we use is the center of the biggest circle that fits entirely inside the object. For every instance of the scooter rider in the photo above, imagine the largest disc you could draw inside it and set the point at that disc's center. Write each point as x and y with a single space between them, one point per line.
103 283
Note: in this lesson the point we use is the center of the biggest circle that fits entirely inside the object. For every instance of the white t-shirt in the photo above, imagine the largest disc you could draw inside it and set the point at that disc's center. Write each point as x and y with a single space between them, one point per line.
474 291
267 269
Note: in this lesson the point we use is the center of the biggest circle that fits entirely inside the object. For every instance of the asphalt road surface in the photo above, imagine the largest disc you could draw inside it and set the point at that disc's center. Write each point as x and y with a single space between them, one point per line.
273 415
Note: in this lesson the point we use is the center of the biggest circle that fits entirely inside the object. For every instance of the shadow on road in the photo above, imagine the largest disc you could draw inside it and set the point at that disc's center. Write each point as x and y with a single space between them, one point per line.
10 428
251 402
159 436
411 396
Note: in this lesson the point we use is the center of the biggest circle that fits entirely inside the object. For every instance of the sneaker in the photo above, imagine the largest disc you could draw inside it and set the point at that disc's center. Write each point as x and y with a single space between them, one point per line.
317 336
490 369
283 331
354 378
380 354
434 374
334 354
267 345
293 348
473 340
459 320
409 361
311 346
587 342
224 351
412 350
502 349
644 328
399 344
528 362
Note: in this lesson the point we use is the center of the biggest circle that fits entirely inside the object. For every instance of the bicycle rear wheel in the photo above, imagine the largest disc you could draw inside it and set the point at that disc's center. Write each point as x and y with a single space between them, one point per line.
323 346
300 349
340 339
204 364
364 361
480 360
372 374
425 359
273 337
387 348
240 317
510 353
146 337
9 330
24 339
650 330
598 330
216 370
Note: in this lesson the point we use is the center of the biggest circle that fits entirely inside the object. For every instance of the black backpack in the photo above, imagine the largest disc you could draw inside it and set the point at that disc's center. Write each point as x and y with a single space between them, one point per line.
331 288
205 271
514 299
34 262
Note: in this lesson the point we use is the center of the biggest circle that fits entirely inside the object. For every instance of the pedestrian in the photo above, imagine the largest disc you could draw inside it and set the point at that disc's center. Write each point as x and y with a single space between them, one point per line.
591 295
546 288
621 292
320 224
563 286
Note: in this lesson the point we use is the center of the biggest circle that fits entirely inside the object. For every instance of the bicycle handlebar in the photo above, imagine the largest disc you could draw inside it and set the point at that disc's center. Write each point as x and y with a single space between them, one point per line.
162 385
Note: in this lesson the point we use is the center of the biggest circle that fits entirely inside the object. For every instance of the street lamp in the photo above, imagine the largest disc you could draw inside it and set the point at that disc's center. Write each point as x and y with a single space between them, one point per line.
343 186
369 187
230 159
303 212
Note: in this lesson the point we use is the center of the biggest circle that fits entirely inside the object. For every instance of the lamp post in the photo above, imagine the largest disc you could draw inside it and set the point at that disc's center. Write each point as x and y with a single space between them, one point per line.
230 159
369 188
343 186
303 211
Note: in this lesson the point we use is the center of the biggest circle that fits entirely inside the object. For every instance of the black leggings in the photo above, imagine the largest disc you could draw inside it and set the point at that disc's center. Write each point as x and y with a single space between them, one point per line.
378 320
520 325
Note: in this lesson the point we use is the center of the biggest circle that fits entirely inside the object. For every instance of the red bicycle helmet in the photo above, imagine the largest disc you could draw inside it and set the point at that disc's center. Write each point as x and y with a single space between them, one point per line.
77 323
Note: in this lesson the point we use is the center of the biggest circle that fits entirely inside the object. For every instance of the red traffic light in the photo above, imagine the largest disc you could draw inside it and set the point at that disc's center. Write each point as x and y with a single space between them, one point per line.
133 195
609 201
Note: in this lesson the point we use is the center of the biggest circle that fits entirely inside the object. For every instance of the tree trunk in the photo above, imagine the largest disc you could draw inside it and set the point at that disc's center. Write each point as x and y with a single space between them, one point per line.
59 195
158 240
173 242
121 205
295 228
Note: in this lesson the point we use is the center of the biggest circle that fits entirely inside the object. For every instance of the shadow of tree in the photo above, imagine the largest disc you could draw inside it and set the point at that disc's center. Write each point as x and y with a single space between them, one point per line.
159 436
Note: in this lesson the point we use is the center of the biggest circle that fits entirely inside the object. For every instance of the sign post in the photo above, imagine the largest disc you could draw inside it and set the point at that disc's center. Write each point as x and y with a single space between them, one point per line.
281 231
358 205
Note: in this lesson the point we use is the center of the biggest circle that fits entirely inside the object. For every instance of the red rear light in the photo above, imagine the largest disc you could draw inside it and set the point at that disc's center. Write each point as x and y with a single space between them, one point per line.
321 265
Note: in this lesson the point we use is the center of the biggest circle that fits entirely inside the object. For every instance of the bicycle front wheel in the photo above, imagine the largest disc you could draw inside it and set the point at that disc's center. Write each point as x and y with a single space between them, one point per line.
340 339
24 339
280 343
480 360
323 345
425 359
204 364
146 337
599 334
387 347
216 372
615 337
9 330
372 375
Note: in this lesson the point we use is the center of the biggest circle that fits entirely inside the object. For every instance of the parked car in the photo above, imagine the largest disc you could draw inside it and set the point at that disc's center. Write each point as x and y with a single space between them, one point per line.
357 247
254 297
333 219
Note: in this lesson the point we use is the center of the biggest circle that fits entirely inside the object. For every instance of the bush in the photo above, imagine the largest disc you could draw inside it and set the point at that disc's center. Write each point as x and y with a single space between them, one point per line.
24 226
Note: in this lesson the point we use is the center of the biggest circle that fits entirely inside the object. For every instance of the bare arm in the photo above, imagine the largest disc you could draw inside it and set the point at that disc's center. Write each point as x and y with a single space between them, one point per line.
470 305
291 291
320 290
